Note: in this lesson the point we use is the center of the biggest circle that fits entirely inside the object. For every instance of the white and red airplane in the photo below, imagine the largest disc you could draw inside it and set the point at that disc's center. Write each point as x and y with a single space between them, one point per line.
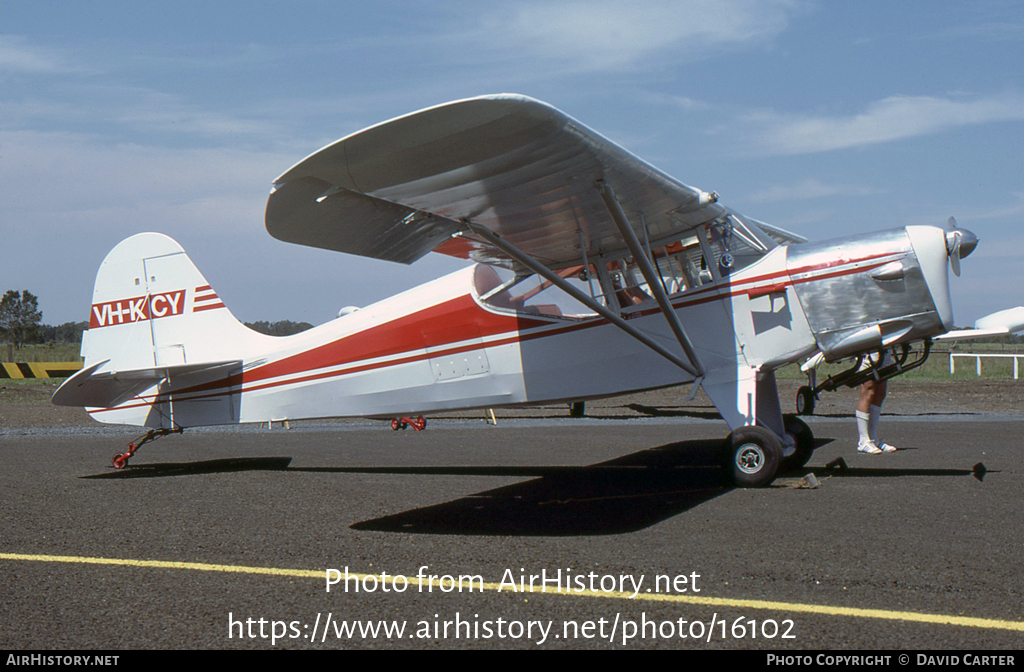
596 274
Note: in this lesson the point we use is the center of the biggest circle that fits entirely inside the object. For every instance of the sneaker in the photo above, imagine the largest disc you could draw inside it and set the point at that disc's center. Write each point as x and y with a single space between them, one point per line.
868 446
886 447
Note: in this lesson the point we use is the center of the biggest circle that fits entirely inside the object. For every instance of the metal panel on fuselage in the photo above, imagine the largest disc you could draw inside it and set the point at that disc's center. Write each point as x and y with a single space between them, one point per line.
835 286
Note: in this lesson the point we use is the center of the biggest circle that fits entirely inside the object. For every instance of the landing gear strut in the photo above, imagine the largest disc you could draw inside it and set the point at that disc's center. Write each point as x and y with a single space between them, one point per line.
120 460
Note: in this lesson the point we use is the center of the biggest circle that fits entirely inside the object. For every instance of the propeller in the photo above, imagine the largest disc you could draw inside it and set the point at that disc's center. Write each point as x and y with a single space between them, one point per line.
959 244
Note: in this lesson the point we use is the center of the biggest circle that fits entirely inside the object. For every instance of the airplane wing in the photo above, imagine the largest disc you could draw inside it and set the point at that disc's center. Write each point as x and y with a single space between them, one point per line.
509 163
997 324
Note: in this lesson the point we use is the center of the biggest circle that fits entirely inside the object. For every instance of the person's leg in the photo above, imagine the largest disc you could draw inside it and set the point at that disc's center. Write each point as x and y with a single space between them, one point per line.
874 412
868 393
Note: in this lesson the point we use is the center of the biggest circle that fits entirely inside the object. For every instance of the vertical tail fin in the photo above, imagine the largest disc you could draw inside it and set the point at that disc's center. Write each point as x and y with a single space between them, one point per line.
157 334
151 307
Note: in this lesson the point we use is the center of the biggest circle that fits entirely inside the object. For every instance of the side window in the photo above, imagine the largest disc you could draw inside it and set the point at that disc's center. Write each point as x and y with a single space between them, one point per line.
530 294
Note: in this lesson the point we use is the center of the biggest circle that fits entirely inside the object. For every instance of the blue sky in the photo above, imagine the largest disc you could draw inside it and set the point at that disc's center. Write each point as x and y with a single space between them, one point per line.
825 118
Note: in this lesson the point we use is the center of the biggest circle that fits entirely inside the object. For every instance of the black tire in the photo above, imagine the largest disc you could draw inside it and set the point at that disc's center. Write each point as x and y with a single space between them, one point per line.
577 409
804 438
752 457
805 401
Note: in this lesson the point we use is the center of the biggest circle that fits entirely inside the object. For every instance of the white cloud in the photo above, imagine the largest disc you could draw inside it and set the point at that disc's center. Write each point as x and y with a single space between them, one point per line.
609 34
18 56
65 179
893 118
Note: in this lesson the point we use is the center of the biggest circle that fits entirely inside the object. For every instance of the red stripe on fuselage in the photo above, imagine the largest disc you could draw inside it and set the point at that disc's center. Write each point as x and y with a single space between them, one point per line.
452 321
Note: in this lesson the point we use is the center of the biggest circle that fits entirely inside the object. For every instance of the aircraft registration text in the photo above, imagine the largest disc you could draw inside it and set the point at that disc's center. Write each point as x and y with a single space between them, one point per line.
137 309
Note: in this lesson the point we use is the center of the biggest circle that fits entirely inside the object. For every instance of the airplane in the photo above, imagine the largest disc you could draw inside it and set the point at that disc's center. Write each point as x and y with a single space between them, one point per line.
594 274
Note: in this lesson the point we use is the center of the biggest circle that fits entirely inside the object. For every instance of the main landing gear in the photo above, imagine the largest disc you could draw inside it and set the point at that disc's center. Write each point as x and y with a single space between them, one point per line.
120 460
419 423
754 455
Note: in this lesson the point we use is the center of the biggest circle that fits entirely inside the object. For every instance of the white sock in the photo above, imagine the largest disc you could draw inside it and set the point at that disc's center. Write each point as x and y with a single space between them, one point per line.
873 413
862 425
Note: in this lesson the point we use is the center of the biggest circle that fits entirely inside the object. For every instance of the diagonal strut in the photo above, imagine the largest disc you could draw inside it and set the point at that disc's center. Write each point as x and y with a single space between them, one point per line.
542 270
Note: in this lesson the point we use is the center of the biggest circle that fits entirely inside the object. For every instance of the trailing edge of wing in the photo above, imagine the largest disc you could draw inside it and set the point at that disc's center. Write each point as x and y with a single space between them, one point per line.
106 389
512 164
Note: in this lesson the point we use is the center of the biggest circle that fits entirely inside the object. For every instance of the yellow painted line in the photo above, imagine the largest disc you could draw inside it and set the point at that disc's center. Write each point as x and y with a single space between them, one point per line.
824 610
161 564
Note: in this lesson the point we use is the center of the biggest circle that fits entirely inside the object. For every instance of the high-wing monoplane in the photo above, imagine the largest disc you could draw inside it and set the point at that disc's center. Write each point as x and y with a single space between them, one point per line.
594 274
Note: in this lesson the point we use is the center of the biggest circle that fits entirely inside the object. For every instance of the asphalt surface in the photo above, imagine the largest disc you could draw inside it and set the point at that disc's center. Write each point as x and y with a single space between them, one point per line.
912 540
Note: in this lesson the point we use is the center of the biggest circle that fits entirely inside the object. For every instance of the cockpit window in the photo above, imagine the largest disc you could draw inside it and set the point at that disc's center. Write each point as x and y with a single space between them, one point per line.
709 253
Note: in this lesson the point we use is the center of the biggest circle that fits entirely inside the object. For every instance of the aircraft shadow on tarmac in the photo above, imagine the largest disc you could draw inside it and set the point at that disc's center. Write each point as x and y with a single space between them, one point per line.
619 496
674 412
622 495
163 469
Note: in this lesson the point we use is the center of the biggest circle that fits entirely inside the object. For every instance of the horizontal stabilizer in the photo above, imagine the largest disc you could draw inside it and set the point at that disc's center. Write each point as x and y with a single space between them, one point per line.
93 388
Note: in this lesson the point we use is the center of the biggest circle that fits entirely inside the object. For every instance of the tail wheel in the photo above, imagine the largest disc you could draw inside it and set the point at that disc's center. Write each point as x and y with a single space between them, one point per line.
419 423
803 438
120 461
752 457
805 401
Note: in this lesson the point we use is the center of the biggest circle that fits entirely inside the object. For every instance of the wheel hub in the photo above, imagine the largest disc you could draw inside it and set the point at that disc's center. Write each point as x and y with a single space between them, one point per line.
750 458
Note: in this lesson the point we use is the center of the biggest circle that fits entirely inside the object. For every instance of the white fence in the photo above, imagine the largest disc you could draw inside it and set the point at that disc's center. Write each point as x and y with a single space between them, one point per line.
977 362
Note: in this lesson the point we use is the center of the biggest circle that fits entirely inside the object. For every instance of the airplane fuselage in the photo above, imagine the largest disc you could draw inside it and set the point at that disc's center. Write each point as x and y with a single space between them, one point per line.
439 347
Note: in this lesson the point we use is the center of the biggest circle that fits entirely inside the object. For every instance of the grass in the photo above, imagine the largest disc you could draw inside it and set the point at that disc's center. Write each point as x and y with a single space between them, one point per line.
47 352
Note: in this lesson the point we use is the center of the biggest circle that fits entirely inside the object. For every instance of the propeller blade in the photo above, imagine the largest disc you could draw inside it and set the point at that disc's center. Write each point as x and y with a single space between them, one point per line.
954 254
959 244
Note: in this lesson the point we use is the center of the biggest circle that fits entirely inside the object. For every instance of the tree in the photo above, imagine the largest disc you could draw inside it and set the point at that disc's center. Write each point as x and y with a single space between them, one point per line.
19 316
281 328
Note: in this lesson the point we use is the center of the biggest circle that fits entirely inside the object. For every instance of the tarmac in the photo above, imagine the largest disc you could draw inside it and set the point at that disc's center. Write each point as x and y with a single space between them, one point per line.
225 538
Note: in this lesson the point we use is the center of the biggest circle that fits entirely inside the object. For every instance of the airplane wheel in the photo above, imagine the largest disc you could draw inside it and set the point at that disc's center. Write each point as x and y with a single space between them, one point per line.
804 438
396 425
752 457
120 461
805 401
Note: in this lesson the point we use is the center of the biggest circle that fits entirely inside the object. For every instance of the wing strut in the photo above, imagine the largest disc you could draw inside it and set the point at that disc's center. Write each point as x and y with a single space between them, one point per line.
653 278
555 279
